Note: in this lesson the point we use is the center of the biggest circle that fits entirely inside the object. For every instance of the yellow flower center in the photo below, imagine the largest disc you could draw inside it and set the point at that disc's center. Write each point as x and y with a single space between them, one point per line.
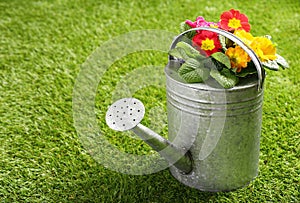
208 44
234 23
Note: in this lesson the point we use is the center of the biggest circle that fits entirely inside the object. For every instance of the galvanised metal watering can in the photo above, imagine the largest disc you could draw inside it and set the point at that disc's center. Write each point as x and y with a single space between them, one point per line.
213 133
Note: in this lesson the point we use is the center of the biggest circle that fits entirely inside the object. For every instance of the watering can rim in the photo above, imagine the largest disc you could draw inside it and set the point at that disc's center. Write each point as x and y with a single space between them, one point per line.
251 83
247 49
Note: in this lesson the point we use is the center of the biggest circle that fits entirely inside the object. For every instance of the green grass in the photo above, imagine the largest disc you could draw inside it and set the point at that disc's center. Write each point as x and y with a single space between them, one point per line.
42 47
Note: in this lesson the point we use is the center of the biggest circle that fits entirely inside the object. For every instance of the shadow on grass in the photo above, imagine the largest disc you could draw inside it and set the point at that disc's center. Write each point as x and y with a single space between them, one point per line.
109 186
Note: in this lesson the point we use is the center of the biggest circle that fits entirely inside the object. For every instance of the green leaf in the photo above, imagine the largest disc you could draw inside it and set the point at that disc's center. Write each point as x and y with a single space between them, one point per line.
189 50
211 63
185 51
192 71
179 53
184 27
189 74
247 71
272 65
281 61
203 72
193 63
225 77
222 40
222 58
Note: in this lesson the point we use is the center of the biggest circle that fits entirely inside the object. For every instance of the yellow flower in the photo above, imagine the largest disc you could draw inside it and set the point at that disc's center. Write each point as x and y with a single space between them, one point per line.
246 37
238 57
264 48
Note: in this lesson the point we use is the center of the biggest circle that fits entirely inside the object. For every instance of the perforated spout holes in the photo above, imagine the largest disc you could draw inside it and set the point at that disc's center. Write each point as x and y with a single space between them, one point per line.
125 114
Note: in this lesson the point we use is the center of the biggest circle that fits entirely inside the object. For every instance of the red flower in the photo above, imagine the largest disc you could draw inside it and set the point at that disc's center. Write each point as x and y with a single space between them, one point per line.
234 20
207 42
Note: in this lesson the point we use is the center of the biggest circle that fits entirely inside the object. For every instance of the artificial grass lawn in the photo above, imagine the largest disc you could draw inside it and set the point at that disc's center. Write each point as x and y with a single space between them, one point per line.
44 43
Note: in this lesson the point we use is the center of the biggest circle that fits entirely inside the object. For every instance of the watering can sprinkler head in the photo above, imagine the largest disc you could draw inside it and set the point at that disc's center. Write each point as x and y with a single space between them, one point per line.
127 113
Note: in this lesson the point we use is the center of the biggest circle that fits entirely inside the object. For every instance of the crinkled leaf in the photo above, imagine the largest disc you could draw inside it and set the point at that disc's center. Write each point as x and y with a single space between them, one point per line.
225 77
225 42
184 27
208 63
192 71
211 63
189 50
222 40
281 61
193 63
247 71
179 52
189 74
272 65
185 51
204 73
222 58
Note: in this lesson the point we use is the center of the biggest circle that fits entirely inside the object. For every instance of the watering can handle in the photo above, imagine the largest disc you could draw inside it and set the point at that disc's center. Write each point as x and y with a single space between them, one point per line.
238 41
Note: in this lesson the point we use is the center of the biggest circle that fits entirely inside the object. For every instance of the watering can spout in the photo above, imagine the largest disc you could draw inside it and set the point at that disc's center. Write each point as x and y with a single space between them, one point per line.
165 148
126 114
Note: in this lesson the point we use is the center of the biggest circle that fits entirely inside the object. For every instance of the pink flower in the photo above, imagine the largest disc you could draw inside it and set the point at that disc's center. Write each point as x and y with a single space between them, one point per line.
201 22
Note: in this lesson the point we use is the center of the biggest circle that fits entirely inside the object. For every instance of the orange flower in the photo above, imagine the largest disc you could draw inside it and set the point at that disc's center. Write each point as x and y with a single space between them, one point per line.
238 57
262 46
234 20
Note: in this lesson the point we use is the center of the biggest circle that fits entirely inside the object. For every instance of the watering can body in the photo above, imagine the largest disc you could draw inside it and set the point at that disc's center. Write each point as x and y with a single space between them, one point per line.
213 133
221 129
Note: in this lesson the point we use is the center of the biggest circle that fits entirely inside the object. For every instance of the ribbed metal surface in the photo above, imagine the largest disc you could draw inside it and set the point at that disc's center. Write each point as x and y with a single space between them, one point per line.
221 128
224 128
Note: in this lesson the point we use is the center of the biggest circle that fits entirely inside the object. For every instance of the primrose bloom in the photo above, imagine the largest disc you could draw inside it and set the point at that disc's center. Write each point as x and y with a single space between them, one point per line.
238 57
201 22
246 37
264 48
234 20
207 42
